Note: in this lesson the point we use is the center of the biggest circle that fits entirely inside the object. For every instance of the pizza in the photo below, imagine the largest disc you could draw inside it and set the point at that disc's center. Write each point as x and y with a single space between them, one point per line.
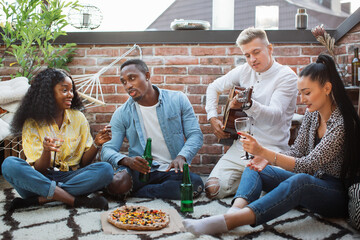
138 218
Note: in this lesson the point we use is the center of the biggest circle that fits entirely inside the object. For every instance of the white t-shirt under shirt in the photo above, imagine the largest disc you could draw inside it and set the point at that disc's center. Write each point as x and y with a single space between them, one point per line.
159 150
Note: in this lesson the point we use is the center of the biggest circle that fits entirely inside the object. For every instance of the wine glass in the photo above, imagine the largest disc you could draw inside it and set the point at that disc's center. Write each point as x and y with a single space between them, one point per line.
59 140
243 124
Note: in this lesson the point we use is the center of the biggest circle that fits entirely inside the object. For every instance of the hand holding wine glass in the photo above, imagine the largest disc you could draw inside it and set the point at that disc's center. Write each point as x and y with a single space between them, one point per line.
58 140
243 124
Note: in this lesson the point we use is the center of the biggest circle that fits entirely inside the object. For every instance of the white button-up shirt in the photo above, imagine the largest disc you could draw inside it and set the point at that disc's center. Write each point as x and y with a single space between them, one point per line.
273 101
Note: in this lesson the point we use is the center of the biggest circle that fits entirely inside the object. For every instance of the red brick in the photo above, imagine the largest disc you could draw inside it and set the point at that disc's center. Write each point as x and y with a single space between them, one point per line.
293 60
205 70
83 62
108 52
171 51
199 109
169 70
340 50
181 61
209 79
180 88
206 129
108 89
211 149
120 89
203 119
234 51
102 109
110 79
183 79
195 160
203 51
314 51
134 53
108 61
210 139
153 61
209 159
350 38
93 70
194 99
197 89
113 98
80 52
286 51
76 70
356 28
217 61
103 118
157 79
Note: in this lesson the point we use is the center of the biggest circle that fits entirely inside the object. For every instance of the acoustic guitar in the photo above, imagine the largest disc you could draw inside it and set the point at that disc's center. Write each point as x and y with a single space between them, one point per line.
230 115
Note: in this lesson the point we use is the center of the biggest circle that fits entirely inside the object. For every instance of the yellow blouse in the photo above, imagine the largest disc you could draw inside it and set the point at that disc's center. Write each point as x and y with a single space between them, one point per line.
76 135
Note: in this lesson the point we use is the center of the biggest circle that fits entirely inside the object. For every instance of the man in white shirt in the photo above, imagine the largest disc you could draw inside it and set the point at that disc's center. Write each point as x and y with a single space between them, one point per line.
271 108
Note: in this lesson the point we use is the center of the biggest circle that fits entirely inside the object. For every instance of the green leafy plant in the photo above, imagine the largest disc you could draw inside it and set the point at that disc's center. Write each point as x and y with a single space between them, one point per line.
29 33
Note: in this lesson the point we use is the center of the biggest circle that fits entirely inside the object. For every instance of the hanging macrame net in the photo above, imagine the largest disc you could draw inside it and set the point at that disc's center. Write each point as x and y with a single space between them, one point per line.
88 87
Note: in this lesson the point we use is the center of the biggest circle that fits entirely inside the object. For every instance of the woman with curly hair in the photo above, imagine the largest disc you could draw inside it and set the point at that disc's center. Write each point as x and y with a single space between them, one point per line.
314 173
50 113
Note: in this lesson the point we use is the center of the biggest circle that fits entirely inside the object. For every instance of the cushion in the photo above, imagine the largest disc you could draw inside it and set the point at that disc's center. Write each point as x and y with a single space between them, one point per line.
13 90
354 205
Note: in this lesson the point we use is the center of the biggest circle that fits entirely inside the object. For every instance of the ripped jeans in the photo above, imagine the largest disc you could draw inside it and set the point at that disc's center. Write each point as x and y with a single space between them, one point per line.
164 185
287 190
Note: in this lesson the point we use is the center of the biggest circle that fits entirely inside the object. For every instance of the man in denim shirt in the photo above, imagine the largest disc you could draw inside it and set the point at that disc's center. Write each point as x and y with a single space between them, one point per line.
165 116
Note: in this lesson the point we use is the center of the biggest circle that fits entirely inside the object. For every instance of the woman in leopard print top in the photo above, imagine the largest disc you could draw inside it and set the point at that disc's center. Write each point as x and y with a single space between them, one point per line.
313 171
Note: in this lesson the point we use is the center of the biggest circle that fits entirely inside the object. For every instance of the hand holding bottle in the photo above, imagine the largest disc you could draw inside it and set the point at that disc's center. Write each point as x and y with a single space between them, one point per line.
136 163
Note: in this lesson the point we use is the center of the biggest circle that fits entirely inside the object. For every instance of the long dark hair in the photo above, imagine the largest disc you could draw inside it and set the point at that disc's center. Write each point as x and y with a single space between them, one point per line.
39 101
324 70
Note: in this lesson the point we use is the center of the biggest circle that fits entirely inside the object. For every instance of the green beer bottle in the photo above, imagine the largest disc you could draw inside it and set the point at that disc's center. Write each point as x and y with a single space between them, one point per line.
186 191
147 156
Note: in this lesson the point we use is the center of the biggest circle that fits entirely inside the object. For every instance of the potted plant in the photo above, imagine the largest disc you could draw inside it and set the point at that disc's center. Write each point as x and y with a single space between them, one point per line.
29 32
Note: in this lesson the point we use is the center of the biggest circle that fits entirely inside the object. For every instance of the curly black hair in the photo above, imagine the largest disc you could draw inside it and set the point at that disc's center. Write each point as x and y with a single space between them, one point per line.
325 70
39 102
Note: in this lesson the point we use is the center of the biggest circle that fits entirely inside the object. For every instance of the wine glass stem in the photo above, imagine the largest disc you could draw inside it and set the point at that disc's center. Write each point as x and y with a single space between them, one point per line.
247 155
54 160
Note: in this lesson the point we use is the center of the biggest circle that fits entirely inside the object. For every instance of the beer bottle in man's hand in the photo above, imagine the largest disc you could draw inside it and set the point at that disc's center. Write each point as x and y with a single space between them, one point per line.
147 156
186 191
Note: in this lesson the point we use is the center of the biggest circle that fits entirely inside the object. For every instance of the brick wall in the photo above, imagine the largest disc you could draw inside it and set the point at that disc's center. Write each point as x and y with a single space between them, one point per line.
189 68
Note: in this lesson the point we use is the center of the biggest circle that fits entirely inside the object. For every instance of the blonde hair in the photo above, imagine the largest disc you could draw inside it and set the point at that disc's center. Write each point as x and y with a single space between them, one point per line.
249 34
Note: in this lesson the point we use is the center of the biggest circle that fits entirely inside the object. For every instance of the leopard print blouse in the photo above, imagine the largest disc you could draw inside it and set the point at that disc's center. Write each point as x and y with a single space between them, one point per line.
327 156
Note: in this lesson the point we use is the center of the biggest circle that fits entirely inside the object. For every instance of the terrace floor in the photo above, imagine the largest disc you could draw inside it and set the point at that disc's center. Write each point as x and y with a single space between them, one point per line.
56 221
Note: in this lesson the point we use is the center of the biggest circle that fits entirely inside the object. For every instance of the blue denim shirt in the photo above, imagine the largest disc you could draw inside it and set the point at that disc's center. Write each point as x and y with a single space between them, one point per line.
177 121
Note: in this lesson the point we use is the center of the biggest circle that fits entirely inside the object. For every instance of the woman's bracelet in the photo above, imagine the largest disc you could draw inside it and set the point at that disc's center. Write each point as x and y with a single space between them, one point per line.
97 146
275 158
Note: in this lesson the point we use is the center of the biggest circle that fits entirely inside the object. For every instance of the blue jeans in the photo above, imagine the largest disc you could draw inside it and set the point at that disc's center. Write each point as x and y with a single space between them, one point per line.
164 185
30 183
287 190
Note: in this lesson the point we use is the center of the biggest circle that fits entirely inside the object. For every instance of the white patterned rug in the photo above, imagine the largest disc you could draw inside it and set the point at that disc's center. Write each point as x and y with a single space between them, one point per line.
56 221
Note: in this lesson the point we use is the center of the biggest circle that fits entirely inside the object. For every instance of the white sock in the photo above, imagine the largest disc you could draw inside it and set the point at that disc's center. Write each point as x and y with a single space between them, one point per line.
211 225
233 209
